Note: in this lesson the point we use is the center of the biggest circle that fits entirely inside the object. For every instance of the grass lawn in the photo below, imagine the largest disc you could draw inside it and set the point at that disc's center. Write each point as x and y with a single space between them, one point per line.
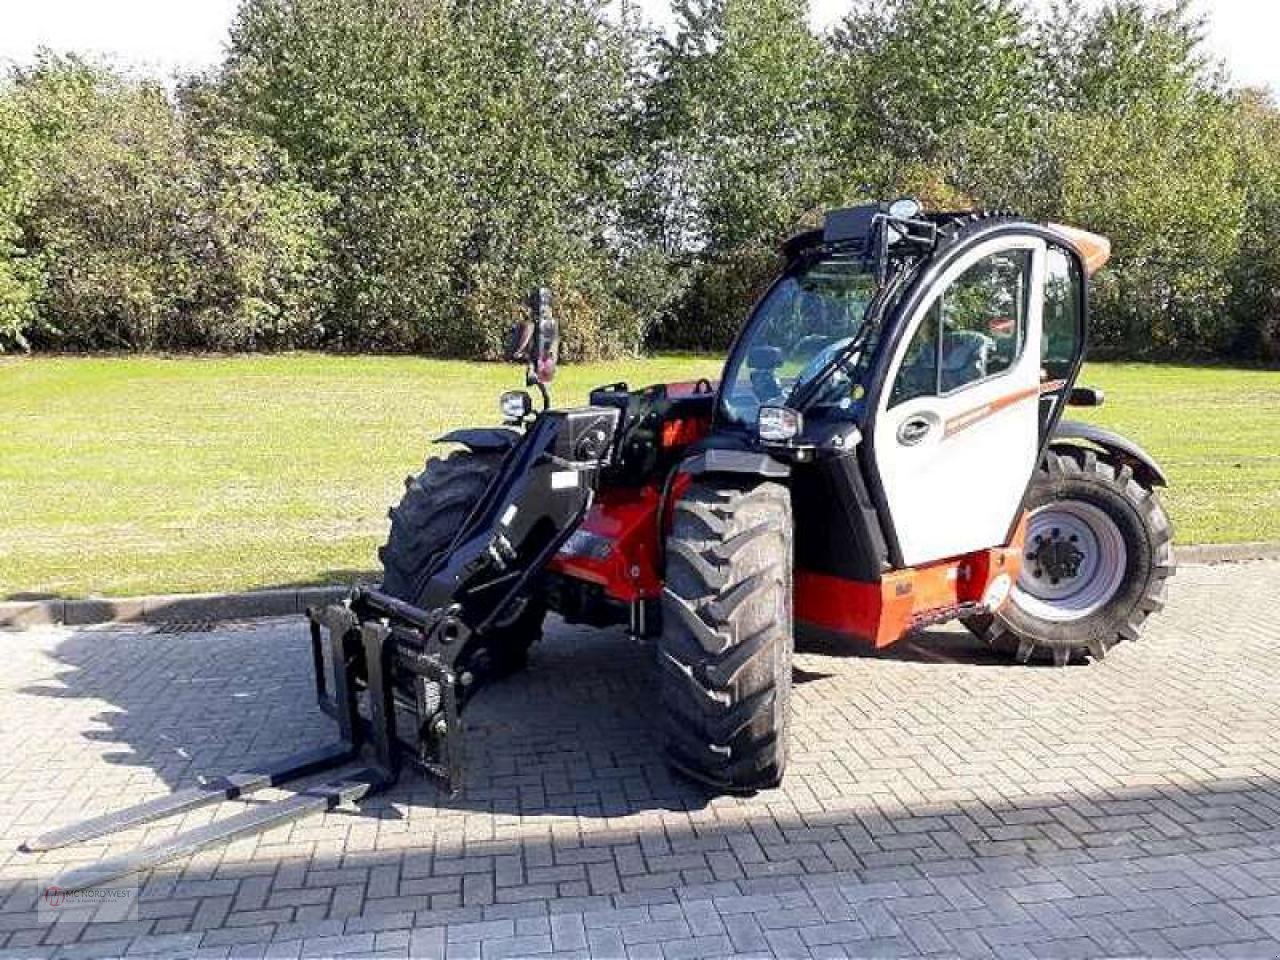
141 475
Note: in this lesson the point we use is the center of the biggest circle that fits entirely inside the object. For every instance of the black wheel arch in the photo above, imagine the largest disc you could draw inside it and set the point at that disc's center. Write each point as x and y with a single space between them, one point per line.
1073 434
724 460
483 439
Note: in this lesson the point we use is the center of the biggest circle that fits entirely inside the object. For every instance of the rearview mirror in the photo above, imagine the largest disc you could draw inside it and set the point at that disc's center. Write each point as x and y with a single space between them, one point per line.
545 348
536 341
1085 397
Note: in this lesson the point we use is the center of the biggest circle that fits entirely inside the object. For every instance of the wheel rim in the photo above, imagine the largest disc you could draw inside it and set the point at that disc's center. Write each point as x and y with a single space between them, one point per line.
1073 564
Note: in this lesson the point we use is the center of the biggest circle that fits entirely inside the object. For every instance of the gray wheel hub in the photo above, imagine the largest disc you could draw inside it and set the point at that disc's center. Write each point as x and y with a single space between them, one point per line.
1074 562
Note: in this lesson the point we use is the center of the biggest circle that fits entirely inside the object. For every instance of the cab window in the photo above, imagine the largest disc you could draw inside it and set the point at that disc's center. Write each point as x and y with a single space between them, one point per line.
804 324
974 330
1063 302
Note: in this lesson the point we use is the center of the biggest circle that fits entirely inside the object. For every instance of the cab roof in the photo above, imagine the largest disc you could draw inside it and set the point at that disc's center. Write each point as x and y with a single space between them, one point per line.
851 227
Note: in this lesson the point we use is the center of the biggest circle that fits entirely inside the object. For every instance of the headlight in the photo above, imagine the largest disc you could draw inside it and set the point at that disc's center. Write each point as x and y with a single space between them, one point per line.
515 405
779 424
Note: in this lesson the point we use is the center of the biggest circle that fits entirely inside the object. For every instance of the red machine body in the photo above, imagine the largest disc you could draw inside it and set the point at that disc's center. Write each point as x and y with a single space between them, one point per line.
904 601
618 550
617 546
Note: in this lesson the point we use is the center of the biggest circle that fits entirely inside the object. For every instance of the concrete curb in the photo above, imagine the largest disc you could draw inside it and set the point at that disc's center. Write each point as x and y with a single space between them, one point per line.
1229 552
283 603
167 608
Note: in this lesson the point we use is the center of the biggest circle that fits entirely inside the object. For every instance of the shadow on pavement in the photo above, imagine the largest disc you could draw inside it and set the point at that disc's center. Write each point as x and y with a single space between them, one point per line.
186 701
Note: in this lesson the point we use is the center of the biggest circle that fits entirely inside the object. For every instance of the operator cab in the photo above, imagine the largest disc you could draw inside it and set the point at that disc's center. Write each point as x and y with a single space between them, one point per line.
906 362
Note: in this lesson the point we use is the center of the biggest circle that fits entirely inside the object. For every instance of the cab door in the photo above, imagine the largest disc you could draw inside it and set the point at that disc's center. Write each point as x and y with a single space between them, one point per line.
956 433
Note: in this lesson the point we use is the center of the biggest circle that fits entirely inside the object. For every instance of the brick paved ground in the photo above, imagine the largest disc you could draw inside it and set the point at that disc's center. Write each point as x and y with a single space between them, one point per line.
939 802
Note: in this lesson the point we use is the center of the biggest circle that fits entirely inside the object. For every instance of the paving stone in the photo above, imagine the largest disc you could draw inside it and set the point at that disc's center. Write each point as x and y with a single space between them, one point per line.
337 946
568 932
938 802
514 947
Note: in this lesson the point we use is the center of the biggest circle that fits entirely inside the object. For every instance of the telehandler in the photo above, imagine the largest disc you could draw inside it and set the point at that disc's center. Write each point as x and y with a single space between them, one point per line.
884 451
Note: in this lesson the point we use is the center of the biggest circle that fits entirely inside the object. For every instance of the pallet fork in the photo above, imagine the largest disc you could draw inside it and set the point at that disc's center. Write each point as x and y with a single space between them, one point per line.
371 739
393 675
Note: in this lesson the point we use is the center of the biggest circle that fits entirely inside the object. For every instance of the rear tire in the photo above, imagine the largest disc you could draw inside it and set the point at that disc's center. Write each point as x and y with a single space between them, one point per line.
434 506
1098 554
726 647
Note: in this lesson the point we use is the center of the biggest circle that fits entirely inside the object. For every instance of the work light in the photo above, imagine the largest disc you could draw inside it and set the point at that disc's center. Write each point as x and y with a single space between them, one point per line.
515 405
779 424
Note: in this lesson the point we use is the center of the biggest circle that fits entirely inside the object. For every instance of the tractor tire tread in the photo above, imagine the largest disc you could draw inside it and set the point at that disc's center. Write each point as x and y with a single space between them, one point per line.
726 647
433 508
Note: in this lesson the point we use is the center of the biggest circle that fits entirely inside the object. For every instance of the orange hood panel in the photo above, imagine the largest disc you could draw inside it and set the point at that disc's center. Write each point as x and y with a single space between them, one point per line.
1094 248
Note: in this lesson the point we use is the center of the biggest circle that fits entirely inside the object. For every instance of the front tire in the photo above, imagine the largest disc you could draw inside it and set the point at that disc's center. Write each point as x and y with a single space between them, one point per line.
1097 555
726 647
434 506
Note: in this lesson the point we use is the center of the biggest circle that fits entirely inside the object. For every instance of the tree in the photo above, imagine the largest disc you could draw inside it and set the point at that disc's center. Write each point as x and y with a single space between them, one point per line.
473 150
397 174
736 111
1255 274
1137 143
1124 52
736 136
21 276
924 90
149 237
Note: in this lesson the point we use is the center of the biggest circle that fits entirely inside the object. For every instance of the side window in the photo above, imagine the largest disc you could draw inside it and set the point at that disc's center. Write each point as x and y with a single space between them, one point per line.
918 375
1063 296
974 330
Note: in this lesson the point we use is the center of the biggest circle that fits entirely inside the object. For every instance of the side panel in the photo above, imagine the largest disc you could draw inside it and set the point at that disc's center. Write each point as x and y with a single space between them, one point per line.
902 601
616 546
837 529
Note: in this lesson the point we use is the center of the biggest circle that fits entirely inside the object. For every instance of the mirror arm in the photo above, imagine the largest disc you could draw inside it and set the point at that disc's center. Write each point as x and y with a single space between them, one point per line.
542 389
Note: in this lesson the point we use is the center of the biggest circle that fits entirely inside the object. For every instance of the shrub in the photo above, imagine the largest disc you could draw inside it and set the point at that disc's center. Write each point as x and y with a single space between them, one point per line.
147 234
398 174
21 275
721 289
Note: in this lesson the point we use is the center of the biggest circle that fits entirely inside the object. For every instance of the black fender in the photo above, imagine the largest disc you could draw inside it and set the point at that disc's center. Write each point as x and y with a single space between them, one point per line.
716 460
483 439
1073 433
719 460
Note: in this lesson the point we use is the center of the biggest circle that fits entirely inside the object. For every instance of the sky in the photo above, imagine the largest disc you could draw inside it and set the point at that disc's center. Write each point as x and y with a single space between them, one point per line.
166 36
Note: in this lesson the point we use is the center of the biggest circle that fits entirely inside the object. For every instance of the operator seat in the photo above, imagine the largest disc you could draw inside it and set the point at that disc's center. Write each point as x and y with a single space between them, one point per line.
966 355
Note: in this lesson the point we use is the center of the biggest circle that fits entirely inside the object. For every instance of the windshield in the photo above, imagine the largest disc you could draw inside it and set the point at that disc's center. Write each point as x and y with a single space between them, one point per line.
807 319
